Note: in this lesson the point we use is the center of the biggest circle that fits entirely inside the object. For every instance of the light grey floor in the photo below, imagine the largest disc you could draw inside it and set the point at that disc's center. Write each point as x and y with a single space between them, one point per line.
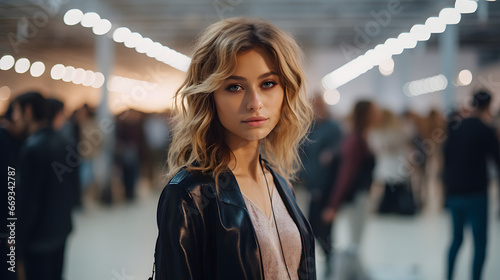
118 243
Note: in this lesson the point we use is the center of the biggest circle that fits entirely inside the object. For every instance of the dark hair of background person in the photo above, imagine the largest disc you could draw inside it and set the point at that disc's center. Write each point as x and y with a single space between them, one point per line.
481 100
37 103
361 113
54 106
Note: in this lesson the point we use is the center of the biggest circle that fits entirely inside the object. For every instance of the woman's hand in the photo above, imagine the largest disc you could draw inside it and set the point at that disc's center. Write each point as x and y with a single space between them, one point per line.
328 215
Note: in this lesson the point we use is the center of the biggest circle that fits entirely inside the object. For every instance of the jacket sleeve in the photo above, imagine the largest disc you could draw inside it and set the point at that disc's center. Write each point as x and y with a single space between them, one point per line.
181 236
32 177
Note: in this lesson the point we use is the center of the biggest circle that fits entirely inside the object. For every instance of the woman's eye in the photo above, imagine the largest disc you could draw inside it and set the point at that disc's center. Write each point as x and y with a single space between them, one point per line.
269 84
234 88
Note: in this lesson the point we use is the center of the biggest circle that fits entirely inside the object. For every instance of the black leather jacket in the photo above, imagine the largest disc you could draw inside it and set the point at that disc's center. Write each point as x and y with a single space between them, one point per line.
203 235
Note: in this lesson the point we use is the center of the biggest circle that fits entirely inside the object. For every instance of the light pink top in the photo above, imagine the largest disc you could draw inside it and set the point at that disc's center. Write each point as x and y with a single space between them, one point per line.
272 259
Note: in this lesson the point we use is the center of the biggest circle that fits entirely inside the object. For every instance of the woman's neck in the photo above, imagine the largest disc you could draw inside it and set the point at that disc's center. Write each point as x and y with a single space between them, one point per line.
245 159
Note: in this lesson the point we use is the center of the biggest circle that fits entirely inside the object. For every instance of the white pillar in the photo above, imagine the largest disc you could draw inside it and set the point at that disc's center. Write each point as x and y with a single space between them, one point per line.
448 50
105 52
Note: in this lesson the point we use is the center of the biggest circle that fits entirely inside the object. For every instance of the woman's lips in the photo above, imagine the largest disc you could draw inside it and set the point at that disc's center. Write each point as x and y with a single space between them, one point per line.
255 122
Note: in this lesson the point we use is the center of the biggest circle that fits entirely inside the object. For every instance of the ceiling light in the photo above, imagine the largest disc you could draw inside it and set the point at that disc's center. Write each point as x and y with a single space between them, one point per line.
450 16
22 65
73 16
102 27
464 77
6 62
37 69
90 19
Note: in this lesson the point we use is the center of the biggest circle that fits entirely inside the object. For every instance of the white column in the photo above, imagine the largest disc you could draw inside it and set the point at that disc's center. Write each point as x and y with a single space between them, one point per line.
448 50
104 53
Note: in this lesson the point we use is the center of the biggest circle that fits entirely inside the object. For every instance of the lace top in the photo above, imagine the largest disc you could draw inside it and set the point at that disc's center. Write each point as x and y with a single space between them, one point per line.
265 228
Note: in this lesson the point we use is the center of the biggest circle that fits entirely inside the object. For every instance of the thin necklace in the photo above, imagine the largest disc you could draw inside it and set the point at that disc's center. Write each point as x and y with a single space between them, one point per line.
274 218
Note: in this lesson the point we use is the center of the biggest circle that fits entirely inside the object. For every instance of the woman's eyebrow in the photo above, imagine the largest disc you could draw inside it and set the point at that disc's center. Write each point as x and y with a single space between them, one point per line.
239 78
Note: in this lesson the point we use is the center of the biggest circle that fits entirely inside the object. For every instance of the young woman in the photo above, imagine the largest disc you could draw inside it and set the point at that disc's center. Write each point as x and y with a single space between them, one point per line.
228 211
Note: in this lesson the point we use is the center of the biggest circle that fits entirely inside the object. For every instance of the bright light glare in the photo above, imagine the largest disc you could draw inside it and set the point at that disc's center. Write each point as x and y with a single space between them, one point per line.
102 27
6 62
331 97
450 16
57 71
73 16
37 69
133 40
90 19
435 25
121 34
22 65
466 6
386 67
464 77
69 74
98 80
420 32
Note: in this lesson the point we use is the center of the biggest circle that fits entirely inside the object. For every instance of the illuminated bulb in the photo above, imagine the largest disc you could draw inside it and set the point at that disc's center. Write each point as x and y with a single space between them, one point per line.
464 78
154 50
450 16
89 78
466 6
132 40
37 69
420 32
98 80
386 67
22 65
79 76
6 62
331 97
57 71
73 16
144 45
102 27
90 19
121 34
407 40
69 74
435 25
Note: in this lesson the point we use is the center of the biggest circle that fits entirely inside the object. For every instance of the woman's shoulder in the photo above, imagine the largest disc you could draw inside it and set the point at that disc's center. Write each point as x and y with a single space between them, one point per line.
189 179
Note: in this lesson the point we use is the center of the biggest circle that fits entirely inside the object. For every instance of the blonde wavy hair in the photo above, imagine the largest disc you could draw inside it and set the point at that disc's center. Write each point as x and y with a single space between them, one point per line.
197 142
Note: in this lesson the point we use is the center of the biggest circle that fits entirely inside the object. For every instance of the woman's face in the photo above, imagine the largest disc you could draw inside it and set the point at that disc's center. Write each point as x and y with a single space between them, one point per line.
249 102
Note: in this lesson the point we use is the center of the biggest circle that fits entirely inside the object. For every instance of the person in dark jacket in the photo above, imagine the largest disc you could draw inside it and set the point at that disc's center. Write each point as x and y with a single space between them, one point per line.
320 160
470 144
229 211
45 192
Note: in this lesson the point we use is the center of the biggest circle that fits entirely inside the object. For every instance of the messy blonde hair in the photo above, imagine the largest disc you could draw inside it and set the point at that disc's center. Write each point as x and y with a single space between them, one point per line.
198 142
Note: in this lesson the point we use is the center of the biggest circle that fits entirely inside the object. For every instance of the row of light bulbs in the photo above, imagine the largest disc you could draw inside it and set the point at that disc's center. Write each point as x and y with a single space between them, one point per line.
133 40
78 76
395 46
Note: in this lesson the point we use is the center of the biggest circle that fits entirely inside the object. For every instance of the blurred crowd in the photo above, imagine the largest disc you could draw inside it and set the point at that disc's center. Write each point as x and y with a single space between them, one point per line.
372 161
380 162
54 166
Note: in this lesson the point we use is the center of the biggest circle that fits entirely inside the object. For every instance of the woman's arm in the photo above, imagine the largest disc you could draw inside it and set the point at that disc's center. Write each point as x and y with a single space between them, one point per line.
181 236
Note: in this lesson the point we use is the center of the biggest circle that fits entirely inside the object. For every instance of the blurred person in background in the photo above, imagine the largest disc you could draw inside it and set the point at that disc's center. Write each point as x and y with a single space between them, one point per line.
465 178
157 134
45 191
353 183
130 149
415 127
12 134
317 173
391 149
229 211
